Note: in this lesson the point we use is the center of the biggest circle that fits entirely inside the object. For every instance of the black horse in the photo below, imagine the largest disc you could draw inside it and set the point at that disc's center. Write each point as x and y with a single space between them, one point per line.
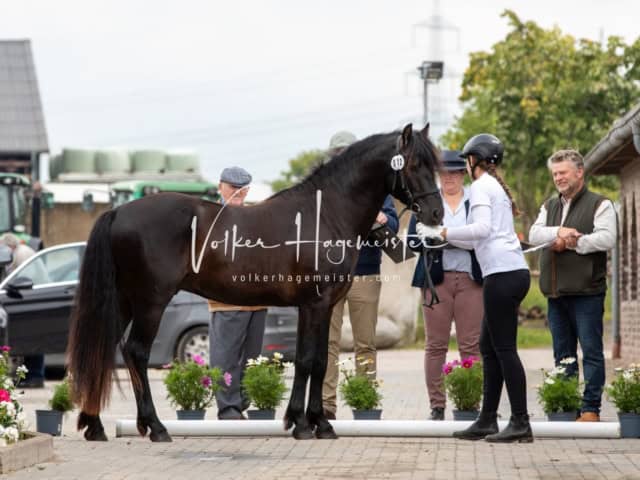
298 247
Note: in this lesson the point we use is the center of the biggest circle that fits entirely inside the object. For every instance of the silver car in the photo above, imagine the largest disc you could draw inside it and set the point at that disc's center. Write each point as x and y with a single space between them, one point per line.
38 297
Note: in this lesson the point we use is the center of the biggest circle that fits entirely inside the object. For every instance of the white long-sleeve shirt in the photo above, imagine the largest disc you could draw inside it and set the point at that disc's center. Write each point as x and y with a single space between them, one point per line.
602 238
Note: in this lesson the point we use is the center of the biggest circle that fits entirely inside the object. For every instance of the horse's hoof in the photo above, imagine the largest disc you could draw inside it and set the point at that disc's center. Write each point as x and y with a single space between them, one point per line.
302 433
326 433
92 436
160 437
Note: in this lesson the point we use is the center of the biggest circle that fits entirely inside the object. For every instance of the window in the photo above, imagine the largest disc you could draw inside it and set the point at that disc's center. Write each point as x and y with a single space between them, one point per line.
633 264
5 222
62 265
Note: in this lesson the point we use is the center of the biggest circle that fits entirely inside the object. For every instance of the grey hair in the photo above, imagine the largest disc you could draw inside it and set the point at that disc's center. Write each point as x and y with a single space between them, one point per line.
10 240
571 155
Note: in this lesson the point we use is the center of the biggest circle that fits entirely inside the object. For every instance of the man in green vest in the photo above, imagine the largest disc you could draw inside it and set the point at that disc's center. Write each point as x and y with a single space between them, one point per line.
579 227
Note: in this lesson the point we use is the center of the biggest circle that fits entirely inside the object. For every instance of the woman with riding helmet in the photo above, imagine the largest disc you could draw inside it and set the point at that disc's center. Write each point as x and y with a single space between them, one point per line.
505 273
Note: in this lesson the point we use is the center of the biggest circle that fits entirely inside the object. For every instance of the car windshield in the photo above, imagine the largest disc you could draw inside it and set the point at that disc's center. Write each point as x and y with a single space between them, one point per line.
5 211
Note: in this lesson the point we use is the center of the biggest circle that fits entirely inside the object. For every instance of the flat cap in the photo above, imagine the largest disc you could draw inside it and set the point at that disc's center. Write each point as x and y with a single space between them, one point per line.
451 161
342 140
236 176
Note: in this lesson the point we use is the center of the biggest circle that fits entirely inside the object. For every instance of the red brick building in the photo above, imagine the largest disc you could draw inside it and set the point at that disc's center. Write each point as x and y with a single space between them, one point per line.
619 153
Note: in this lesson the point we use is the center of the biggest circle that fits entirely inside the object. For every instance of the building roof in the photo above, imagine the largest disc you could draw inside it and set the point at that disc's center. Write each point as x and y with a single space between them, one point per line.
22 127
616 148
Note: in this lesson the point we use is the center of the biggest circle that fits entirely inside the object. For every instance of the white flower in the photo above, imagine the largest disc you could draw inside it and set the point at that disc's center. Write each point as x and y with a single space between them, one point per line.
262 359
251 362
627 375
12 434
558 371
22 369
568 361
9 408
277 355
287 364
549 381
8 384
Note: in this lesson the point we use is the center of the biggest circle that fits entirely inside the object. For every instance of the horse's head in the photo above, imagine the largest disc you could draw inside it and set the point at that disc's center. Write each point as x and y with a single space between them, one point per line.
413 175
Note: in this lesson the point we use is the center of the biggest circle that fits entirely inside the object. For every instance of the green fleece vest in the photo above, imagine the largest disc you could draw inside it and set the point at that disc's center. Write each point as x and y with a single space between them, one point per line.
567 273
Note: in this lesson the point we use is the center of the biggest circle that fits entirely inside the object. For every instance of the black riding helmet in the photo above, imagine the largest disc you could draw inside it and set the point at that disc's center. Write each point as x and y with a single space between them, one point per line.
484 147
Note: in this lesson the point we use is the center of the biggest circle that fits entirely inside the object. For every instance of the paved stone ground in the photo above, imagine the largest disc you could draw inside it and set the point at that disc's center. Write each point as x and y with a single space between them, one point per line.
285 458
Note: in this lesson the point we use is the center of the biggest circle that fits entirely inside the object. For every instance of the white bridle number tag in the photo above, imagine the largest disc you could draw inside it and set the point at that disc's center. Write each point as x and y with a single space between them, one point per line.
397 162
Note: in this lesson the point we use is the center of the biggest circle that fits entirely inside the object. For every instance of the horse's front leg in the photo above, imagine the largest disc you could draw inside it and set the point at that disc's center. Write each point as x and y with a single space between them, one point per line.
305 351
136 353
315 410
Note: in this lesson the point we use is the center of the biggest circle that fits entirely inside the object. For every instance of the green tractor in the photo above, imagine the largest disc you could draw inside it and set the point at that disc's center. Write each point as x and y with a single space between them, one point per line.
15 193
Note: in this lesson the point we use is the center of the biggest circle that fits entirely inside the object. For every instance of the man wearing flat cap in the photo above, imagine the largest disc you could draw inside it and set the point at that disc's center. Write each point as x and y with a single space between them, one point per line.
235 332
457 277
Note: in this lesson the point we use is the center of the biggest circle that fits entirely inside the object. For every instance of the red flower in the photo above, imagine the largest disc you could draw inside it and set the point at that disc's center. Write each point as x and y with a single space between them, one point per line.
467 363
5 348
5 396
447 368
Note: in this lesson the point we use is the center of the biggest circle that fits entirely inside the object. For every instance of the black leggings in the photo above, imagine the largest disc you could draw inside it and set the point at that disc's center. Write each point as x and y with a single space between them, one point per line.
502 293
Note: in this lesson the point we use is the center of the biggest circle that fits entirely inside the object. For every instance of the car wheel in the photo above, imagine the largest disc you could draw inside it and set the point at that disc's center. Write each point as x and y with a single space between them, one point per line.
193 342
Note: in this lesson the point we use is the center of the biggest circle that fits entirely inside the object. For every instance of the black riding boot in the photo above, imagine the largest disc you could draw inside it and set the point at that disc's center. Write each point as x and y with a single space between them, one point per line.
486 424
518 430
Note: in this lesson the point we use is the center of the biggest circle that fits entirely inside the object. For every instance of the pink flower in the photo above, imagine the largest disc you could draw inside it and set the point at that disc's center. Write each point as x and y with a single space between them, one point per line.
227 379
5 396
167 366
467 363
5 348
206 381
198 359
447 368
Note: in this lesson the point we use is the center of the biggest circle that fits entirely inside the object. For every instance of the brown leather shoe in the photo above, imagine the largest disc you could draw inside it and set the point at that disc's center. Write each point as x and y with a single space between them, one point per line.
589 417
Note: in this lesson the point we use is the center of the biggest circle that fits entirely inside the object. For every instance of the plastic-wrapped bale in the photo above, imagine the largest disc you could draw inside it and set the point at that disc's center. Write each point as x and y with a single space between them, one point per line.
77 160
55 166
112 161
186 162
148 161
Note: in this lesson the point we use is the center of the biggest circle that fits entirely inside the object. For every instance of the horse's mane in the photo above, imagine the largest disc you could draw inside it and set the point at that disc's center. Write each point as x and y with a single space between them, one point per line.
347 163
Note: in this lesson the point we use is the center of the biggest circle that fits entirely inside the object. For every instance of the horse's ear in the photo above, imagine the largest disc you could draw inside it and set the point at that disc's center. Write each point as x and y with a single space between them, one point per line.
407 131
425 131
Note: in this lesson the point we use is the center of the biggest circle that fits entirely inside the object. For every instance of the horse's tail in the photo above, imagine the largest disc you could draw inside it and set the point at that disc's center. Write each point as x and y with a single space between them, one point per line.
95 326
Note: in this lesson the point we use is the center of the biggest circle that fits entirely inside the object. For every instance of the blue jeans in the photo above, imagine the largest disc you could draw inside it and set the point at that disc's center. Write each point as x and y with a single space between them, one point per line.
574 319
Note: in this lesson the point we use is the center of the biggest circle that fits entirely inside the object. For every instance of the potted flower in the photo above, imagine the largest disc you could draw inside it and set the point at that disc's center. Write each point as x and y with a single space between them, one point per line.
12 418
559 394
624 392
192 386
50 421
463 383
360 390
263 384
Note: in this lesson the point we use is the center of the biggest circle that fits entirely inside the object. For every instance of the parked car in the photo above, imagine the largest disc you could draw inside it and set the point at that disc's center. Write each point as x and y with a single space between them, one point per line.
38 296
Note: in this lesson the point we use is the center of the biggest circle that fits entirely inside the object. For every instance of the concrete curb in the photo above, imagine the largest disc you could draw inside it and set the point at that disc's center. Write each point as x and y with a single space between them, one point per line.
35 448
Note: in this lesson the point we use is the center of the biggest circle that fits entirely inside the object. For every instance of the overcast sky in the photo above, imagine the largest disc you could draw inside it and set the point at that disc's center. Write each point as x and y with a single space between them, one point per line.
253 83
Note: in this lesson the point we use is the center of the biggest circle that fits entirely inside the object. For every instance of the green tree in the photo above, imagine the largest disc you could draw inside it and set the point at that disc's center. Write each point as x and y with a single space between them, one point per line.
299 167
540 90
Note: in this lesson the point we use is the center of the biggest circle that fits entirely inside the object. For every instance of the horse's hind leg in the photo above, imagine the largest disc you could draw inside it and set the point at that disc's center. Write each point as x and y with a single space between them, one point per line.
95 430
146 319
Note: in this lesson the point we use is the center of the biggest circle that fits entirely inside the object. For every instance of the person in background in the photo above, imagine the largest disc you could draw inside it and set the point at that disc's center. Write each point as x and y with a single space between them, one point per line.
235 332
456 274
580 227
34 363
363 298
505 283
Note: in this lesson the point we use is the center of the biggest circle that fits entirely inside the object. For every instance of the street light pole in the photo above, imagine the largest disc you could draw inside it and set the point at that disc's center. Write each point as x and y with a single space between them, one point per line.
429 71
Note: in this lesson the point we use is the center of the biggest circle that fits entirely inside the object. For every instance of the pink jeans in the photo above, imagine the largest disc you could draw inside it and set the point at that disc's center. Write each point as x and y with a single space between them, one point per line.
460 300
